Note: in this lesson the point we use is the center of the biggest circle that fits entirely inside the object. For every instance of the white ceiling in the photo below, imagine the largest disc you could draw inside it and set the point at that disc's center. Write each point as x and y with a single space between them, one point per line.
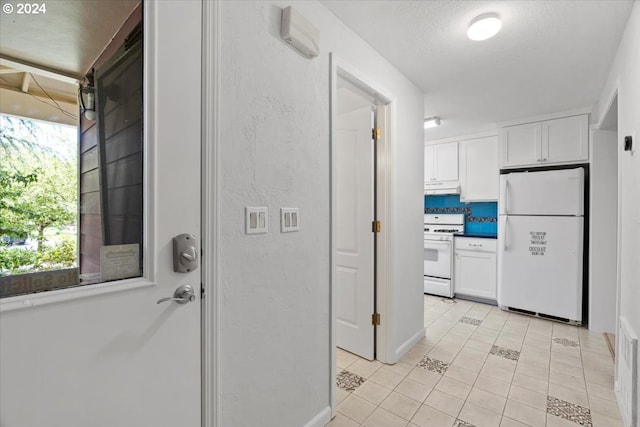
550 56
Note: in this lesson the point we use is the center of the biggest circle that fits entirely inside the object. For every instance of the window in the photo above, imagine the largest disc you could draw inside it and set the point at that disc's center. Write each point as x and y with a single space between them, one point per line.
71 210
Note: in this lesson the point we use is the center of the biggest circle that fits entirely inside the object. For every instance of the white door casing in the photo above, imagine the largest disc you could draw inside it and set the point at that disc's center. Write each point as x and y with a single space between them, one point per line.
107 354
354 236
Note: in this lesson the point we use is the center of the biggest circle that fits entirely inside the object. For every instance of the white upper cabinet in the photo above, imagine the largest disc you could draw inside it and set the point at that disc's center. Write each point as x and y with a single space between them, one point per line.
520 145
441 162
479 170
566 140
550 142
429 163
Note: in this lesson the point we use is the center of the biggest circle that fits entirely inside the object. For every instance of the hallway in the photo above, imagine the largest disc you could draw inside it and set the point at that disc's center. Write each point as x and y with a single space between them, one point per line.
483 367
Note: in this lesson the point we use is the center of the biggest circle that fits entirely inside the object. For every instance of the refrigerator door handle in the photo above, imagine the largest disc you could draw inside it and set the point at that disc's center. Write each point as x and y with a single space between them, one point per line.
506 227
504 195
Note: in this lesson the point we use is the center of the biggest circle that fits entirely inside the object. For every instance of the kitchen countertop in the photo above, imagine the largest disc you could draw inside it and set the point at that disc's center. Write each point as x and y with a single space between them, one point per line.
477 235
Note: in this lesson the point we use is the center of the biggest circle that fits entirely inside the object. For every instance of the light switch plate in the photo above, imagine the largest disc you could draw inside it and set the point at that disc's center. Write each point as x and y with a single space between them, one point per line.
256 220
289 220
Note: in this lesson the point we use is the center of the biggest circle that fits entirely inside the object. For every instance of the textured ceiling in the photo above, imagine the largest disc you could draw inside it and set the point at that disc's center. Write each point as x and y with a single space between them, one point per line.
550 56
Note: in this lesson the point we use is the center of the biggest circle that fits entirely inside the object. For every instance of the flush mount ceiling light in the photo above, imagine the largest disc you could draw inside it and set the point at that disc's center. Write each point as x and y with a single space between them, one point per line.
484 26
431 122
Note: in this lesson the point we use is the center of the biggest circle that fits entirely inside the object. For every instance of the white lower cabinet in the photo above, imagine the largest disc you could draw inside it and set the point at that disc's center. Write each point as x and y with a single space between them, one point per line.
475 267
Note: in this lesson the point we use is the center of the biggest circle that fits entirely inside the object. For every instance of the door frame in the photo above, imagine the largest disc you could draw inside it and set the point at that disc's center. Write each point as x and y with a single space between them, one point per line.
384 199
612 101
210 213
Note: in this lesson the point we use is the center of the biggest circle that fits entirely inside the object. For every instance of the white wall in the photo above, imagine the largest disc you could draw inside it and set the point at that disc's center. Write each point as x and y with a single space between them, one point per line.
624 77
603 229
274 359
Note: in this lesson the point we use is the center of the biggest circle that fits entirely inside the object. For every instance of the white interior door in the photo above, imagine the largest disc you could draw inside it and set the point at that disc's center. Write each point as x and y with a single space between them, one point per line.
354 236
107 355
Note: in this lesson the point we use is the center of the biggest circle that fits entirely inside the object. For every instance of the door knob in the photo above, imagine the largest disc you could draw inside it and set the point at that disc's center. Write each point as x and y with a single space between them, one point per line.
182 295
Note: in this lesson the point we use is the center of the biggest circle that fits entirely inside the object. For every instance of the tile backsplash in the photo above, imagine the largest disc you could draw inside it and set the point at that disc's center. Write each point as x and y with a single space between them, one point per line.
480 217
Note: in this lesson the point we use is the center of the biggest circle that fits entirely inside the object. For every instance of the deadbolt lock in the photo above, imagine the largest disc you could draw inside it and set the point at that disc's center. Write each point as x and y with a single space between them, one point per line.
185 253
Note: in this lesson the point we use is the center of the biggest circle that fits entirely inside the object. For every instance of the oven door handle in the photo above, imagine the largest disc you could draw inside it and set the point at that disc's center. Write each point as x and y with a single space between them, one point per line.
437 242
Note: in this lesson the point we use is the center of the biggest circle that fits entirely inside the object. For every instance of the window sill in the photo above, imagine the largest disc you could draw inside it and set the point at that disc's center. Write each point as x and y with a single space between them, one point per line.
69 294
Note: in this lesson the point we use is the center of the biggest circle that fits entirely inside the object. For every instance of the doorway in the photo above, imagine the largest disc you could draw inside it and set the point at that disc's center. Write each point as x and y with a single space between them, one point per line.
361 206
604 225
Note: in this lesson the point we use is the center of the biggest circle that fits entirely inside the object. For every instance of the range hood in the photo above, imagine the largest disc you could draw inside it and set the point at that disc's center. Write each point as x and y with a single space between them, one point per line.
442 187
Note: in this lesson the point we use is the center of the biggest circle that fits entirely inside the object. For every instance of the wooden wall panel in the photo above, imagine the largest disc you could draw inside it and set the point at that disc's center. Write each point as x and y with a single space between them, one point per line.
111 153
90 211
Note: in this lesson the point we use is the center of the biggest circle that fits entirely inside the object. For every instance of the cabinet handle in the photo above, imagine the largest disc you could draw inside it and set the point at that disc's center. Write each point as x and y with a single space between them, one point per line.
475 245
539 160
544 160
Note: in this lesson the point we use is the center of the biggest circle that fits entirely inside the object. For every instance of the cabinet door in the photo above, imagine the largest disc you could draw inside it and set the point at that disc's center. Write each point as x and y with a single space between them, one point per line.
429 162
520 145
446 165
479 170
475 274
565 140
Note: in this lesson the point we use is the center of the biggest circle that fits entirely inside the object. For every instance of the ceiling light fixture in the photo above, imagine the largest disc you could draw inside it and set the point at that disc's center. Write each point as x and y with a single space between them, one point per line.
431 122
484 27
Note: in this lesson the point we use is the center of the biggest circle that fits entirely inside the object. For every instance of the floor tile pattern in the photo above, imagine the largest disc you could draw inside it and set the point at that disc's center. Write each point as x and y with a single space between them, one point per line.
505 352
508 370
569 411
433 365
565 342
471 321
349 381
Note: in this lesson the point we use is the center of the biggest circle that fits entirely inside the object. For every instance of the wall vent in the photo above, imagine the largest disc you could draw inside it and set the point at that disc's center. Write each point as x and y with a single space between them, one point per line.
627 373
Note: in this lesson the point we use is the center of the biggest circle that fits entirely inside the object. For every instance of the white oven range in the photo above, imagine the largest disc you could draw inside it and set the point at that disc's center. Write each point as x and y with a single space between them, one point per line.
438 252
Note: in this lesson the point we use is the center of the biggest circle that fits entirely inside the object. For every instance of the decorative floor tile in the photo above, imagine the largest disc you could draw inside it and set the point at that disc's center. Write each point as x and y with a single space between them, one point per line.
349 381
470 321
460 423
433 365
505 352
569 411
565 342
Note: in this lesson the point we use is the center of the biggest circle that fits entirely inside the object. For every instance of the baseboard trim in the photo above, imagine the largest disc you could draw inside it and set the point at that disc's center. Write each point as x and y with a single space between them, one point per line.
406 346
321 419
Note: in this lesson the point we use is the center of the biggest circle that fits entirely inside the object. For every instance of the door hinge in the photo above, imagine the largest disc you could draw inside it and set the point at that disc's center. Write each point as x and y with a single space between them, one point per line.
376 133
376 226
202 293
375 319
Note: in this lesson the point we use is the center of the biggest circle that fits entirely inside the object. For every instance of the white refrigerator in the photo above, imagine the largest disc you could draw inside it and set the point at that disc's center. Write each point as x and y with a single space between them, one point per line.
540 243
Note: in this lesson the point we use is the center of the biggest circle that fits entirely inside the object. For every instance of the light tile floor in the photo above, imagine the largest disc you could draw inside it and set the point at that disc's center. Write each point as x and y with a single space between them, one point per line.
479 366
